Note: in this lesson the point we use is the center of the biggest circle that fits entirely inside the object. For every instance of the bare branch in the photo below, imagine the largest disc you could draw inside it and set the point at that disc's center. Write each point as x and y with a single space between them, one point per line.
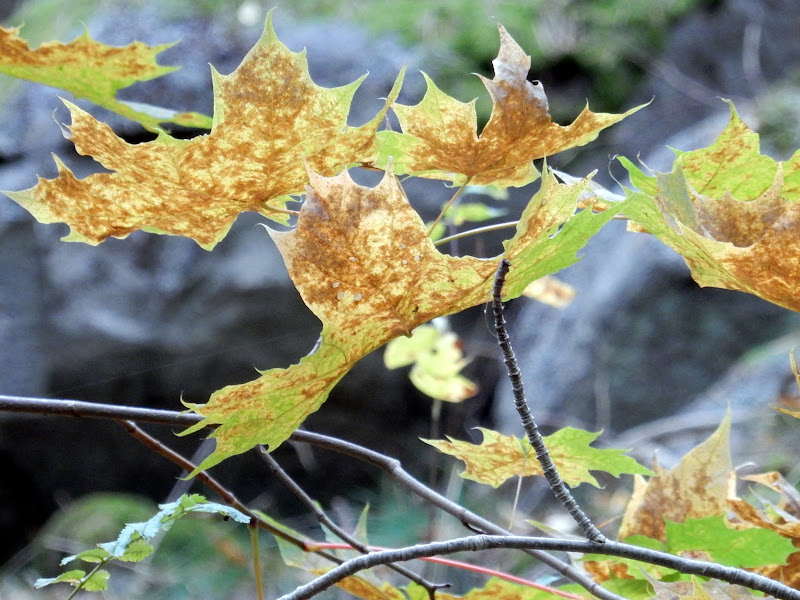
557 484
323 518
486 542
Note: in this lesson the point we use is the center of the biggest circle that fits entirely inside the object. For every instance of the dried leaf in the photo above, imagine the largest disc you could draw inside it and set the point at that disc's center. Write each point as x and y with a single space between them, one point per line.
440 138
551 291
364 264
271 122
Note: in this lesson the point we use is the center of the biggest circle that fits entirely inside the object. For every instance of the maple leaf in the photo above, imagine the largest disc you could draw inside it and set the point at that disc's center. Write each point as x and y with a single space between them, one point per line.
732 213
91 70
440 139
500 457
269 117
698 486
363 263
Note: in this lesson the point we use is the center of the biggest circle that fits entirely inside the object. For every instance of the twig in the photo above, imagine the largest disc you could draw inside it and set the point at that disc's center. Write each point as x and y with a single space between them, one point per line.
323 518
560 490
227 496
395 469
448 205
392 466
490 542
469 519
475 569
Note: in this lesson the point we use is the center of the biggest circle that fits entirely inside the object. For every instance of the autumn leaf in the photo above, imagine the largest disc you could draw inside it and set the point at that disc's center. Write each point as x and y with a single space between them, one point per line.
551 291
500 457
698 486
91 70
440 138
437 360
732 213
363 263
271 122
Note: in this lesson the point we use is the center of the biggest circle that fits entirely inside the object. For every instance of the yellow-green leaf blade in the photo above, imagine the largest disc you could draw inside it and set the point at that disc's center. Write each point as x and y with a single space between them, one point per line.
500 457
94 71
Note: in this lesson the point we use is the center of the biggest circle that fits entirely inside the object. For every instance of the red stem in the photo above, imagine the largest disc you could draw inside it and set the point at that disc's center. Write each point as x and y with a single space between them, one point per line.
459 565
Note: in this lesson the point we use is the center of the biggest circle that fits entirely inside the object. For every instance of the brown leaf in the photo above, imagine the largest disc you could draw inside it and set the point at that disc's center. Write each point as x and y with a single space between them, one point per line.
698 486
440 138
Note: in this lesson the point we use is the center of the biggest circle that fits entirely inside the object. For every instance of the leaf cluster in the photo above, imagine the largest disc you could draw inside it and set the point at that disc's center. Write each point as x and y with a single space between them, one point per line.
365 264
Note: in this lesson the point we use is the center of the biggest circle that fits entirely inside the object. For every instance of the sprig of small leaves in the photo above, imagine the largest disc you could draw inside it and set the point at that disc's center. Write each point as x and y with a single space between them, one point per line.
132 544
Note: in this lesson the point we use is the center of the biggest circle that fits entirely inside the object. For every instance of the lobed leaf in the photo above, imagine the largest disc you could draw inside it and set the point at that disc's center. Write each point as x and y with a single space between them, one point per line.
270 122
363 263
500 457
698 486
732 213
91 70
440 139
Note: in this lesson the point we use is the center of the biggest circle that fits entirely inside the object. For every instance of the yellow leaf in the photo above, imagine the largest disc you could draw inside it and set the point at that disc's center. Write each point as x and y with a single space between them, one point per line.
500 457
440 138
271 123
365 266
551 291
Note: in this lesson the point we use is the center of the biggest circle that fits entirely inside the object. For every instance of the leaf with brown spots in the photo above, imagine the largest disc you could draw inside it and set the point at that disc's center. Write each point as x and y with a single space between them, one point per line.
364 264
698 486
732 213
440 138
271 122
91 70
500 457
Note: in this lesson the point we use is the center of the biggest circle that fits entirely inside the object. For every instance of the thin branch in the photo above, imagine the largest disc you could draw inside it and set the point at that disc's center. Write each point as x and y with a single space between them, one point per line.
476 231
227 496
323 518
448 205
487 542
560 490
469 519
96 410
458 564
392 466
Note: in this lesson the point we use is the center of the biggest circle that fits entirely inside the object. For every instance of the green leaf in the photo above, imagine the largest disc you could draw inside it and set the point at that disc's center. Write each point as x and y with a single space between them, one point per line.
72 577
94 71
500 457
746 548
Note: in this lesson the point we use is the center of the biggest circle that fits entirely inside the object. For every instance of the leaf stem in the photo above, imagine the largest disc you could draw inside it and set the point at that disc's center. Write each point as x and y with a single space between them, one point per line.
558 486
476 231
256 560
448 205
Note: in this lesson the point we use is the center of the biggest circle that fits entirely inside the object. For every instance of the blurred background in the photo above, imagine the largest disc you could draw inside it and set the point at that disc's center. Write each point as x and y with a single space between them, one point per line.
641 352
